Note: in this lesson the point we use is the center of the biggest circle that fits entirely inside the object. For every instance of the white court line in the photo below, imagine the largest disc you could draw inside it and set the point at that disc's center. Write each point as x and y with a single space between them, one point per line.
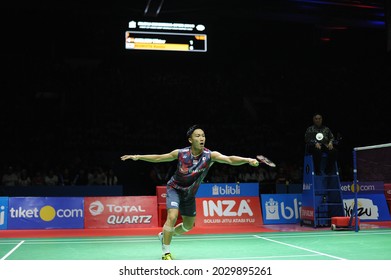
191 238
13 249
186 238
267 257
38 242
291 234
196 237
205 236
334 234
298 247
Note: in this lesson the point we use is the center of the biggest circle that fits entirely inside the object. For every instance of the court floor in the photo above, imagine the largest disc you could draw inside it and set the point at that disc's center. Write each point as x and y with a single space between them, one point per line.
372 244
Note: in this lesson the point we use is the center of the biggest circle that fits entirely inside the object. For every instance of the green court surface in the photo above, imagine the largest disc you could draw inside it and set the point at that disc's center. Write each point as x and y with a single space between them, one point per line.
311 245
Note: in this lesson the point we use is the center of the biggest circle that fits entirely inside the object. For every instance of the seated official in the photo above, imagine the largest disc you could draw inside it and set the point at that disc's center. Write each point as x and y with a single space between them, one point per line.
319 139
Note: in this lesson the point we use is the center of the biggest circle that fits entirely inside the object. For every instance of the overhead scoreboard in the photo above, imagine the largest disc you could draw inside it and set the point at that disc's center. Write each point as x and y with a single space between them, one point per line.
165 36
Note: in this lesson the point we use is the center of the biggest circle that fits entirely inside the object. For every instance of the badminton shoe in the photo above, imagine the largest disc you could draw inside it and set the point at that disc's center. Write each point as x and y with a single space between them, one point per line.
167 257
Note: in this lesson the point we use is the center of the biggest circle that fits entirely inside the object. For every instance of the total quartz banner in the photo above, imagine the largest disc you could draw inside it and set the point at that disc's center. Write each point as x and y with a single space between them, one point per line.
121 212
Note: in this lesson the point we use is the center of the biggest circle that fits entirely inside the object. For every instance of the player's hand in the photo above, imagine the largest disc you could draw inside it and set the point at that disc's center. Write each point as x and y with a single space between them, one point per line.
125 157
253 162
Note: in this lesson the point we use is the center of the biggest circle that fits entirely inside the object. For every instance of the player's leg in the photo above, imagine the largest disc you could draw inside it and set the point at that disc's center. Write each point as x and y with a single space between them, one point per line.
186 225
172 203
168 228
188 211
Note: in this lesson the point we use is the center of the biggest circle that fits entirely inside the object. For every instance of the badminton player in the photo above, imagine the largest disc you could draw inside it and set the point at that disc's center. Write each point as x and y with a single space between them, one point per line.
193 165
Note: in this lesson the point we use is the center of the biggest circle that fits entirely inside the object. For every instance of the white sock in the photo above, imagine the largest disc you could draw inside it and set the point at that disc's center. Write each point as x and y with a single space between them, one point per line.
166 248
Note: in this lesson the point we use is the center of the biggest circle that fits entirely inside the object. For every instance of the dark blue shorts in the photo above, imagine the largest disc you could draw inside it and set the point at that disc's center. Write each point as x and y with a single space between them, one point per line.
178 199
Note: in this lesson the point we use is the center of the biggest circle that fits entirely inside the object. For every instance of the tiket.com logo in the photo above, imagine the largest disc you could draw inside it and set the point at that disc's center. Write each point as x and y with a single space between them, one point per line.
359 188
47 213
352 189
365 188
96 208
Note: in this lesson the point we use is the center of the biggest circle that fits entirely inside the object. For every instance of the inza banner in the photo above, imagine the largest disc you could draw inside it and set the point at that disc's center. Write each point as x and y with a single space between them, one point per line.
235 211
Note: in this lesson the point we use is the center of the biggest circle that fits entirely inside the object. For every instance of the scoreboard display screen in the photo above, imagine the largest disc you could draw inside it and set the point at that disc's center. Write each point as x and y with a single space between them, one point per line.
165 36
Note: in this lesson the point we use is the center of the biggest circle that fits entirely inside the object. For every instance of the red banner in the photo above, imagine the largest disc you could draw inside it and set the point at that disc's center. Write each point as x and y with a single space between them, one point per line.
161 193
307 213
225 211
387 191
120 212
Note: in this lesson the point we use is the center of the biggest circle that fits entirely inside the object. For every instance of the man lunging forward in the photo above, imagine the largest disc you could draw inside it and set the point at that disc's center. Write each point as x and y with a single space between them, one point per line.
193 165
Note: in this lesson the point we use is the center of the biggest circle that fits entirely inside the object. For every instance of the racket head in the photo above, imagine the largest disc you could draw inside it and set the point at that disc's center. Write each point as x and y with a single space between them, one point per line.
265 160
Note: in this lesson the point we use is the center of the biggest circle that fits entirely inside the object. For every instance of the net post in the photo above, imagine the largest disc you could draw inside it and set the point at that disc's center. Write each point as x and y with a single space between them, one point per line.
355 190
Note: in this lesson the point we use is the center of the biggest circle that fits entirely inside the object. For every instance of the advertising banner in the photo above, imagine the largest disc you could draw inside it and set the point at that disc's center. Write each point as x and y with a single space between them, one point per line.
3 212
371 187
121 212
45 212
161 193
371 207
228 189
281 208
307 215
223 211
387 191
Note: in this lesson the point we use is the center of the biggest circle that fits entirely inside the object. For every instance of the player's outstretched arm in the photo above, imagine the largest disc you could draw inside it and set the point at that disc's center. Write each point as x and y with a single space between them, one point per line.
154 157
233 160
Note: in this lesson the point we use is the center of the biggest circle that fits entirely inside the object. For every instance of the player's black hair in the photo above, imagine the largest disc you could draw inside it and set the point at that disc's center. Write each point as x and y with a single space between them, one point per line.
191 130
316 114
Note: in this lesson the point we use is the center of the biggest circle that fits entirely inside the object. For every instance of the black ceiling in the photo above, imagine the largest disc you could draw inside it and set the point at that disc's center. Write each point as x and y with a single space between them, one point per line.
362 13
92 26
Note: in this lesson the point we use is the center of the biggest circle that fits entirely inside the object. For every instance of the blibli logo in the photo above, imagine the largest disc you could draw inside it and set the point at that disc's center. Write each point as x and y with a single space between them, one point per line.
226 190
2 215
271 207
274 209
289 212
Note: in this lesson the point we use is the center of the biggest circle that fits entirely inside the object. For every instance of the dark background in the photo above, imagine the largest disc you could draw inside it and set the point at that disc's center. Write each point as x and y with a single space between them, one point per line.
72 96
